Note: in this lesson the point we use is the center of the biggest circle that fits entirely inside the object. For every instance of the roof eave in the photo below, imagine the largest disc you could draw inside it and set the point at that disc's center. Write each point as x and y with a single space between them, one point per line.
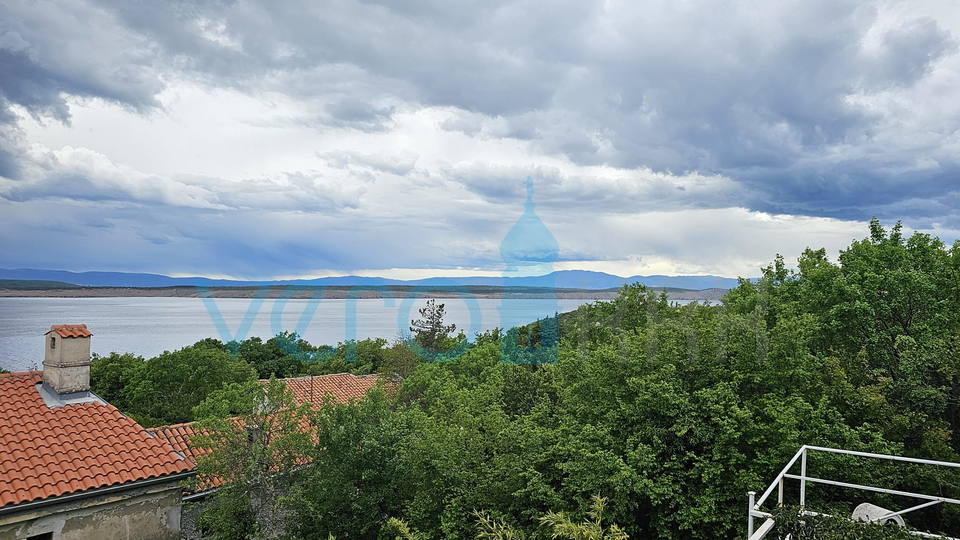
31 505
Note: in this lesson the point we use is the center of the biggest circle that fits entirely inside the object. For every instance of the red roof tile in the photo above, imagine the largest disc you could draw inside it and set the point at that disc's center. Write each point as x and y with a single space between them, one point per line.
70 330
48 452
178 436
343 387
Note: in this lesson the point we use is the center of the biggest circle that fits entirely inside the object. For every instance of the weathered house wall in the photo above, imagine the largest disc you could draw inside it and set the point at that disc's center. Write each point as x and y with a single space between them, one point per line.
146 513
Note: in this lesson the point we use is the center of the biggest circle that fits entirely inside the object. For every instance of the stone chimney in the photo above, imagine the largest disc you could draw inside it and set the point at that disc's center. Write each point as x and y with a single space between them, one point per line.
66 361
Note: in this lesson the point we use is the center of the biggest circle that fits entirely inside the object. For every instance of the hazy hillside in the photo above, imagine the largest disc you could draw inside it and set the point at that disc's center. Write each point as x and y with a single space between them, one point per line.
567 279
27 284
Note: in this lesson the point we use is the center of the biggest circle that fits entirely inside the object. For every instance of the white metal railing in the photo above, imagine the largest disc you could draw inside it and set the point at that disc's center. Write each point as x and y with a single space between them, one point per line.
754 504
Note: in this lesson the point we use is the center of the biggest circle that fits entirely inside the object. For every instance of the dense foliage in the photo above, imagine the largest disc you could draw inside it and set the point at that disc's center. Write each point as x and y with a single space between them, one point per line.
792 525
258 439
670 413
165 389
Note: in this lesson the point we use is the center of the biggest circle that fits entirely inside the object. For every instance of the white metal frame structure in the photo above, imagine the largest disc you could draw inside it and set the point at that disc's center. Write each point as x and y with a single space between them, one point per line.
754 504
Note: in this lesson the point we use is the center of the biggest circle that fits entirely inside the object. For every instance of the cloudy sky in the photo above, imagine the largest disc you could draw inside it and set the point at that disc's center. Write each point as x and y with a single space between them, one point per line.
306 138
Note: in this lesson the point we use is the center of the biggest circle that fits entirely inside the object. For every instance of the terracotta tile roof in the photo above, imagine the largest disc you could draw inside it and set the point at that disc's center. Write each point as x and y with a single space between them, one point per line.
342 386
48 452
70 330
178 436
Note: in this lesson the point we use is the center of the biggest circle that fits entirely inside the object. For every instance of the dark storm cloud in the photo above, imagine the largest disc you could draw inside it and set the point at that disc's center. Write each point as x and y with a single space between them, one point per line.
356 114
30 86
9 166
814 107
304 192
598 191
483 59
671 91
906 53
749 90
51 52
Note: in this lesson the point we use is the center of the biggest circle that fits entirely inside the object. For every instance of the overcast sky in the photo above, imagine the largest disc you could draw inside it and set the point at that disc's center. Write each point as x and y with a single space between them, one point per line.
308 138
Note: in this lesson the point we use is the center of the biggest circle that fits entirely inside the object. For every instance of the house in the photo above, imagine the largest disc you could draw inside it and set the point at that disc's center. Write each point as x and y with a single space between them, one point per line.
72 466
314 390
341 387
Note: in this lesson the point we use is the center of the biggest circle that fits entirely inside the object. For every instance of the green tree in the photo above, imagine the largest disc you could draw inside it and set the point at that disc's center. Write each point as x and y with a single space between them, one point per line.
367 357
430 330
109 375
672 412
165 389
357 479
399 362
276 356
258 439
211 343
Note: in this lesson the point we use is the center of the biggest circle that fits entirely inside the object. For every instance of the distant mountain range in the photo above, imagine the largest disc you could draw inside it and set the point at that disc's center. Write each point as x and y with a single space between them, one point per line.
565 279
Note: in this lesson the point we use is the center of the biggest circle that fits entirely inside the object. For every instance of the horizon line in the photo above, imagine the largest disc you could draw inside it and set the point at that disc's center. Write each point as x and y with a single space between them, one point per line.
425 274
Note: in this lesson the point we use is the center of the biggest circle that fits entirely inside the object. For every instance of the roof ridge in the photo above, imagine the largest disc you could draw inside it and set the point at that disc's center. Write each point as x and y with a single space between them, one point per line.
168 426
70 330
21 374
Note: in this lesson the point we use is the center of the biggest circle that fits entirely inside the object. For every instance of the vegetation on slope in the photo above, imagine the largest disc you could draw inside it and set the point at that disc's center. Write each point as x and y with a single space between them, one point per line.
670 413
34 285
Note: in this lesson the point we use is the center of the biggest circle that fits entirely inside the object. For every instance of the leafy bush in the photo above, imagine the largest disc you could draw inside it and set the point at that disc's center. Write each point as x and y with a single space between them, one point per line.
790 524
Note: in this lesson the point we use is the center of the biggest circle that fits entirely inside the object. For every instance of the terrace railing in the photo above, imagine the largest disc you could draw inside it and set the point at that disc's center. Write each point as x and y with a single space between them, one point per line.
754 504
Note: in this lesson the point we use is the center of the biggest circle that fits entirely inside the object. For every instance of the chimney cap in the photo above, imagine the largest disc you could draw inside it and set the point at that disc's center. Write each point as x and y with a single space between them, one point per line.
70 330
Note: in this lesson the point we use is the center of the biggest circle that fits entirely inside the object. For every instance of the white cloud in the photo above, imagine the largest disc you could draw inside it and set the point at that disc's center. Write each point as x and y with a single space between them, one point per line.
283 139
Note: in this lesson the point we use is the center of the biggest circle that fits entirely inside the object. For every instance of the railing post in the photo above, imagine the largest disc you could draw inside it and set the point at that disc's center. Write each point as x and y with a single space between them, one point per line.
803 478
780 493
751 497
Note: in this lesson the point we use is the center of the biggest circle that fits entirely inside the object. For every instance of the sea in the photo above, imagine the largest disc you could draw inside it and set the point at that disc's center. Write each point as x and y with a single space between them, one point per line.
149 326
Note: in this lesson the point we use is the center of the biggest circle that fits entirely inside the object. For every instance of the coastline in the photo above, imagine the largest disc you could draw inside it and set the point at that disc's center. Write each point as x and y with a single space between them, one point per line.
342 292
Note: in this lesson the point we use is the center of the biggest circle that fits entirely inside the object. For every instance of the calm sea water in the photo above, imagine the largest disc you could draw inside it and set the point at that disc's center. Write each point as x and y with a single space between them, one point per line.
149 326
